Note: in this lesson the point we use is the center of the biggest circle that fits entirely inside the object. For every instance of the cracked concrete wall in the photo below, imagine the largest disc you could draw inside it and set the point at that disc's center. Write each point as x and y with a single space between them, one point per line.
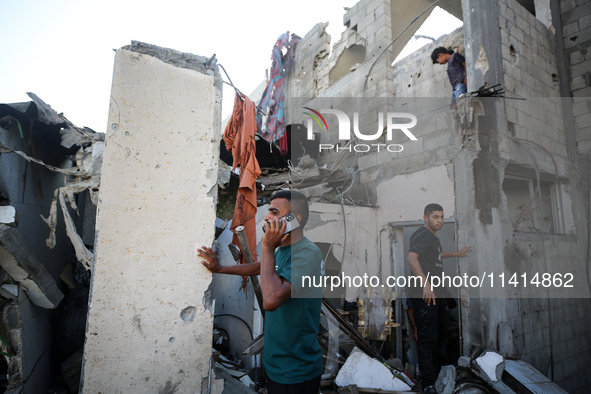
368 24
530 71
326 225
149 325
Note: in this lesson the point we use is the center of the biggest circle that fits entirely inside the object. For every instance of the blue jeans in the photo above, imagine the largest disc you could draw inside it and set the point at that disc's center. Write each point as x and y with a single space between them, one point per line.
459 89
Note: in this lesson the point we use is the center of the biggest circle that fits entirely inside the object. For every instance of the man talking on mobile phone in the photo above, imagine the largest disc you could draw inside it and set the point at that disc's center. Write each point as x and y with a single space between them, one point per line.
292 355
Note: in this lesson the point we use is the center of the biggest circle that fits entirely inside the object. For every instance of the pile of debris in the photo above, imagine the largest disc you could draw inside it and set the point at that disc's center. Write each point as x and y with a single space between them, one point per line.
353 369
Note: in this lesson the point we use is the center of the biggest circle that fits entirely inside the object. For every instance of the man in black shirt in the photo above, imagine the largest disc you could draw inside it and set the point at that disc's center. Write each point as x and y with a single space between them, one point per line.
425 258
456 71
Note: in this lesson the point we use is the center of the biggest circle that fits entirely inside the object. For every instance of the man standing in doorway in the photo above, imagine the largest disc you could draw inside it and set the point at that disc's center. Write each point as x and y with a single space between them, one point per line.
425 260
292 355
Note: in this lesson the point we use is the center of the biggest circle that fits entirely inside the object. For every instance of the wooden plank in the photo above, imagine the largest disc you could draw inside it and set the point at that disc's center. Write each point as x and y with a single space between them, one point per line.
255 347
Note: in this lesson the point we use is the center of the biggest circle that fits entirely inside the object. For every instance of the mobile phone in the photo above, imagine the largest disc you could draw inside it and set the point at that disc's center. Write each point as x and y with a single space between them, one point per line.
291 223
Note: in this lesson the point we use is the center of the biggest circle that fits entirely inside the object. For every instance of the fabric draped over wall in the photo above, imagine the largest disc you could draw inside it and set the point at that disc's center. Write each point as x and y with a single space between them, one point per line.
273 100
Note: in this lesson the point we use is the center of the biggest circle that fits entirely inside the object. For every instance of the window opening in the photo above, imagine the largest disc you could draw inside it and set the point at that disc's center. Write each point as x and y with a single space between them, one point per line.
527 212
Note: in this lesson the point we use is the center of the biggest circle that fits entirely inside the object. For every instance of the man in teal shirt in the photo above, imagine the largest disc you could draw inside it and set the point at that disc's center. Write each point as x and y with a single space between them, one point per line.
292 355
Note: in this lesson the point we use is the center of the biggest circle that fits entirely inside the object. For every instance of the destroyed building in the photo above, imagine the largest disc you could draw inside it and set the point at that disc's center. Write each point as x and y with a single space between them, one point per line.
46 161
482 163
512 174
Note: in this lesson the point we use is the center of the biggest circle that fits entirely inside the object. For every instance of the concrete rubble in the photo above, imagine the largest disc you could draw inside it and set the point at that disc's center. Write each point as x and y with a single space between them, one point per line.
446 381
365 372
492 365
36 149
17 259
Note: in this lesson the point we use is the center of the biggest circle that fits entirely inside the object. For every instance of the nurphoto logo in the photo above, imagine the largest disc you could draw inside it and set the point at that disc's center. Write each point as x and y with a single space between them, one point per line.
394 121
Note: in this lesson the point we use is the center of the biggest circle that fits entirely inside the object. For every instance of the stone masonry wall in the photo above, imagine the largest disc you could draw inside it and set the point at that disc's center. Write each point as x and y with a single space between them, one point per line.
576 22
417 76
547 331
530 72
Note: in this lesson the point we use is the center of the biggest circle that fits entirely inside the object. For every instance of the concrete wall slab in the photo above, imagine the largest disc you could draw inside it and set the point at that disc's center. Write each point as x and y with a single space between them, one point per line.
149 325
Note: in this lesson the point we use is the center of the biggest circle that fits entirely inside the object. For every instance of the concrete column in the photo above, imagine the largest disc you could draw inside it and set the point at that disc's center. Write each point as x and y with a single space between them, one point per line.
484 59
479 175
149 326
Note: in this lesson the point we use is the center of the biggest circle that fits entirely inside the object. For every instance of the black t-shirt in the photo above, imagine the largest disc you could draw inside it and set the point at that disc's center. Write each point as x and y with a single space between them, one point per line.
455 70
424 243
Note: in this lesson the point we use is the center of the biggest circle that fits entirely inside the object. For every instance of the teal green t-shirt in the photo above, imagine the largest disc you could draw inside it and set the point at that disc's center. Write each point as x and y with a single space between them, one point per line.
292 353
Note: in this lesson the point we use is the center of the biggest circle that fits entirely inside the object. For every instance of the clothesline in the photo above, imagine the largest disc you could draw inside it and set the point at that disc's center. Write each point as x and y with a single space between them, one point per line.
240 94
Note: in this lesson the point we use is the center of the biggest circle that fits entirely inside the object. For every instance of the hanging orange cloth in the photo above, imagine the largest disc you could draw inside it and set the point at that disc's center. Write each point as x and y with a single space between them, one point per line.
239 140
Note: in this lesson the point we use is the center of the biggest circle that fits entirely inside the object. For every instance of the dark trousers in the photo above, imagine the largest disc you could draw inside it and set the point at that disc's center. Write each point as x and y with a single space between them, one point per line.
431 321
308 387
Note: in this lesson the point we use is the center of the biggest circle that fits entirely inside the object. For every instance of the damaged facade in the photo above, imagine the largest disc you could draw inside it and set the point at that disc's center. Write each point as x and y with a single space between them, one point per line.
483 163
45 160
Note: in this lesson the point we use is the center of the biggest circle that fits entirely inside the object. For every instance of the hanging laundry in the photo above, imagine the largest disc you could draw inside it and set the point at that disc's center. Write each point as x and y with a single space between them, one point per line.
239 140
273 101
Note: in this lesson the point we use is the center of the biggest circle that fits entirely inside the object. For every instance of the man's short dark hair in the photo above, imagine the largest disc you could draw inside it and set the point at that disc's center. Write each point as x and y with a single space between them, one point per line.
298 201
439 50
430 208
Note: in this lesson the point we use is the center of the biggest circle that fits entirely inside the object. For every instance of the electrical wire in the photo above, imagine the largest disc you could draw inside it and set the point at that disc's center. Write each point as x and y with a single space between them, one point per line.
239 318
394 40
295 171
380 56
238 92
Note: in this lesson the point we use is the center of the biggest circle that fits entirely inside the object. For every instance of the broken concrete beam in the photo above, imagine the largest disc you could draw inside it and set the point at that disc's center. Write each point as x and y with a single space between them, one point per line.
446 381
530 378
366 372
12 290
285 177
464 362
231 385
150 321
255 347
18 260
8 215
316 190
492 364
351 389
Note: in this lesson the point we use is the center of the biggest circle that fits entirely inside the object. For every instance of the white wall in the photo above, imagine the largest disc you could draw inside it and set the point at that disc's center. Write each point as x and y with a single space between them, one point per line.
149 327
